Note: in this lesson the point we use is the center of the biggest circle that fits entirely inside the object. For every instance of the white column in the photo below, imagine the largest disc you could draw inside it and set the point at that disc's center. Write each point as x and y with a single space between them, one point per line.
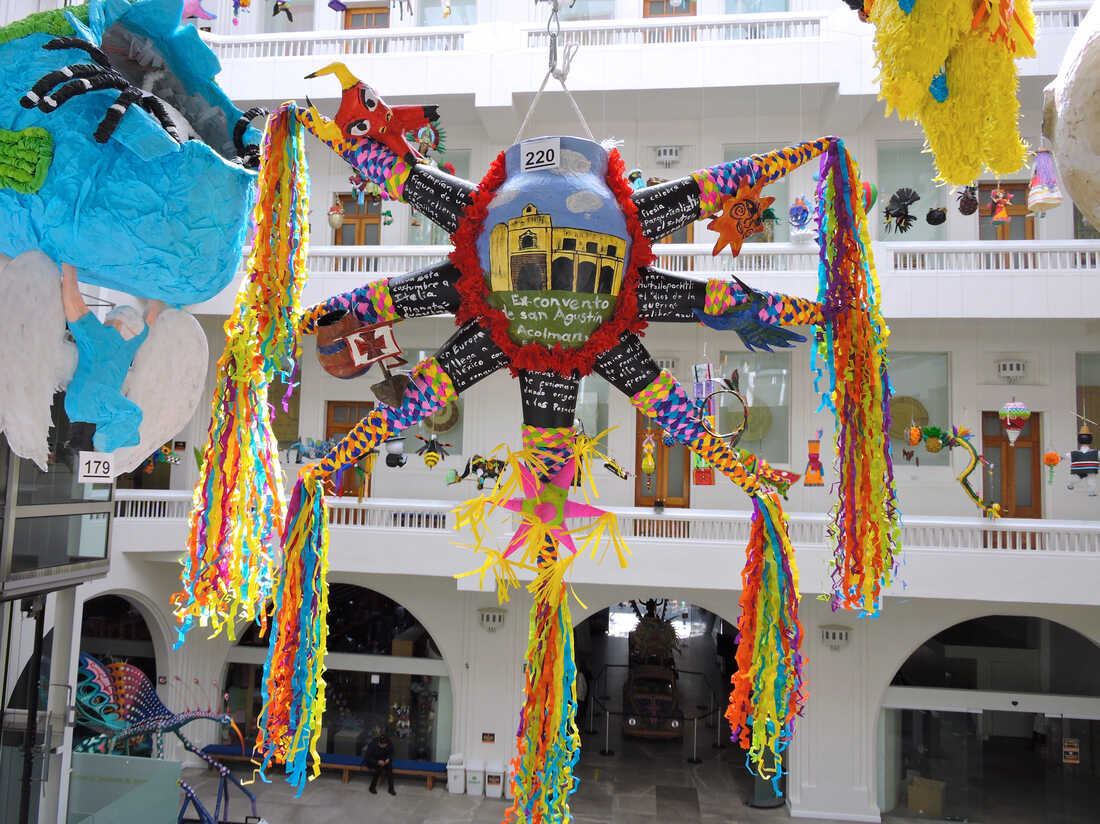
64 658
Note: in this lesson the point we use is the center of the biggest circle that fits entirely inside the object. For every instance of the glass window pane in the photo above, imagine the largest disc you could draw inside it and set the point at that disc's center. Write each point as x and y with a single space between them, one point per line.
340 413
372 206
765 383
677 487
1082 229
1023 459
992 477
902 163
415 710
780 190
55 540
59 485
463 13
592 401
381 19
755 6
921 398
345 235
1088 388
588 10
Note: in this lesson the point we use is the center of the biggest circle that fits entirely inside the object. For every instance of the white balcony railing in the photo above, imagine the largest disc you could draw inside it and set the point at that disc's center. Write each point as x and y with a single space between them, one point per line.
329 43
1029 257
682 30
695 525
1063 15
1024 256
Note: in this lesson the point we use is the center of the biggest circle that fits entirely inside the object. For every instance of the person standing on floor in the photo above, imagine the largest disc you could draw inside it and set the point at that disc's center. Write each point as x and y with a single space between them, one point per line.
378 758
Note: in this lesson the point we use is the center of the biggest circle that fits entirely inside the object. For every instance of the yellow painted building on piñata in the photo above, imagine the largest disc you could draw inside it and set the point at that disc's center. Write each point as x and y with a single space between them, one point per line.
529 248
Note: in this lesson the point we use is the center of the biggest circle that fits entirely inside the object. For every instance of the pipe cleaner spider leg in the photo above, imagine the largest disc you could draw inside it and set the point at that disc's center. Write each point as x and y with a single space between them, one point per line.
248 154
77 71
155 106
115 111
91 49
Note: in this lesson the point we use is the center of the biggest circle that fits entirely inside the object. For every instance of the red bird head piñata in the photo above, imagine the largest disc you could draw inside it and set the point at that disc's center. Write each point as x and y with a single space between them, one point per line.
363 114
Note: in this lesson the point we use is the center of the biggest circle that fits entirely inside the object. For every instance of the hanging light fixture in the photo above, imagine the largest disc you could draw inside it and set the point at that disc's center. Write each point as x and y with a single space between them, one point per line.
336 214
1014 417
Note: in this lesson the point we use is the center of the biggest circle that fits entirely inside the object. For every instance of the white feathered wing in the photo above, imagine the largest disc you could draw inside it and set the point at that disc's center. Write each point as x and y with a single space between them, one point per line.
36 359
166 381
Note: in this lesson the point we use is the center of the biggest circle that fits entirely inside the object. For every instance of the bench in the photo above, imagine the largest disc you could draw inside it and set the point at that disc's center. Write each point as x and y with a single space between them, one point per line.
430 771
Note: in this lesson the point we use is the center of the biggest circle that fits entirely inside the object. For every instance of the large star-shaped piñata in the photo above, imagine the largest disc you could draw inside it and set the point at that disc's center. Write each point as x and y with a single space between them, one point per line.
545 506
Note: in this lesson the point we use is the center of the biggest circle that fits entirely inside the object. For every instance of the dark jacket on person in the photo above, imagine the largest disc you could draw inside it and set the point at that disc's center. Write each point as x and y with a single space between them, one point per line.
378 751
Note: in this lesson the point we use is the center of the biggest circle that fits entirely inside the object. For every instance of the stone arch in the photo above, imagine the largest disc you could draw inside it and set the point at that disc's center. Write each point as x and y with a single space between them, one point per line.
151 613
969 611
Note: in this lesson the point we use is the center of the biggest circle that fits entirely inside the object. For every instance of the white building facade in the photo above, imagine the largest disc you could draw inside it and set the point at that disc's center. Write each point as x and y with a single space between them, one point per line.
709 80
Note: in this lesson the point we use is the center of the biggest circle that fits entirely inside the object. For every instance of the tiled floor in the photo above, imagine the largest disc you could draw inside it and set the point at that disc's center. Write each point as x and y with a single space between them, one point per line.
625 789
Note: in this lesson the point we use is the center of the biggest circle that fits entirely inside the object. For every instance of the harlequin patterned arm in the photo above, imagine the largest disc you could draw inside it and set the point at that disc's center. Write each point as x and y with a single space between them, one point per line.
772 308
668 297
667 207
420 294
371 303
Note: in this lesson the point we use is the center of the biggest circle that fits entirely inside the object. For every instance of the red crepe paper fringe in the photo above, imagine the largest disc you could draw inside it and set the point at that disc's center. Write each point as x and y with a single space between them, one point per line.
473 288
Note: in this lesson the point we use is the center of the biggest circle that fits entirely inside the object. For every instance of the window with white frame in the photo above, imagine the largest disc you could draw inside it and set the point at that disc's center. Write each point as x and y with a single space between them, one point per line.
765 383
422 232
592 403
463 12
904 164
780 189
588 10
1088 388
922 397
755 6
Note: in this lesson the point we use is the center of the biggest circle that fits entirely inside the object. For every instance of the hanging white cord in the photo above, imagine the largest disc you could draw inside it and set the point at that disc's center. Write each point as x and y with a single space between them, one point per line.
559 72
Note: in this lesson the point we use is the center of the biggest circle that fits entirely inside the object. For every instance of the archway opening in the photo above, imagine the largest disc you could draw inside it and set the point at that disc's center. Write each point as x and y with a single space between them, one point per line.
115 634
657 674
385 673
994 719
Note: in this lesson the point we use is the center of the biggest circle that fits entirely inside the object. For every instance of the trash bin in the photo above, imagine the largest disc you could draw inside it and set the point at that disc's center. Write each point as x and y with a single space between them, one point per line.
475 777
494 779
456 774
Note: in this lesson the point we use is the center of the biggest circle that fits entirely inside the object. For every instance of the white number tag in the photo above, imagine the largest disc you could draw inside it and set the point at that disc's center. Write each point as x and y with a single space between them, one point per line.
95 468
544 153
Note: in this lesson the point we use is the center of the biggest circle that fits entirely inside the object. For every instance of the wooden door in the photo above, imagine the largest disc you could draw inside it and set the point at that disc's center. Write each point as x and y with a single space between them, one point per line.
366 17
362 223
340 418
665 8
1021 224
1015 481
669 485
